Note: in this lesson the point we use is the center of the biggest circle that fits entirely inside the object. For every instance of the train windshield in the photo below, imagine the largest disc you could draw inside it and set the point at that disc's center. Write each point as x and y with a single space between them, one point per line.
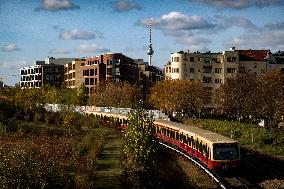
226 151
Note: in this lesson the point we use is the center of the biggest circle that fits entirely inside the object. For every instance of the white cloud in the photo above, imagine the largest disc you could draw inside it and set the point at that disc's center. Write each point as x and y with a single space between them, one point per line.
123 6
11 65
59 51
77 34
178 21
241 4
265 39
193 31
91 48
56 5
10 47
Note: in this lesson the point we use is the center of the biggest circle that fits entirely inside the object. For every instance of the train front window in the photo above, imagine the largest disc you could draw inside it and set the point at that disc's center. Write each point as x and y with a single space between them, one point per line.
225 151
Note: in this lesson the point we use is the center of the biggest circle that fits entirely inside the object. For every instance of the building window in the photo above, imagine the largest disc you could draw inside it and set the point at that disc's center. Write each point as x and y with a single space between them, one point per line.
91 81
218 70
91 72
207 60
207 80
175 70
176 59
231 59
191 59
231 70
254 65
191 70
85 72
86 81
207 69
218 80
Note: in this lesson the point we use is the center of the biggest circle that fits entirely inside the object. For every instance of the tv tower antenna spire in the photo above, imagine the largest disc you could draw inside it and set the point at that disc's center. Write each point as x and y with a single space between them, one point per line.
150 51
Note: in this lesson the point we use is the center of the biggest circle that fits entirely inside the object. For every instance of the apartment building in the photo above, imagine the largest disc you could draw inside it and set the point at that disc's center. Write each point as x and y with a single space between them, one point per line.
106 67
148 75
93 71
72 73
215 68
48 72
277 61
120 68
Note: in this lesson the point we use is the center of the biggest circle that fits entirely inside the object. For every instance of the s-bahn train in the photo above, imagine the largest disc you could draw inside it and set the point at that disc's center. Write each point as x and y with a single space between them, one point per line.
211 149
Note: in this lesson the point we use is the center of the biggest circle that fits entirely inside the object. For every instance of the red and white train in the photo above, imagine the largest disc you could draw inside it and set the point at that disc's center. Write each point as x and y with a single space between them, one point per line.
211 149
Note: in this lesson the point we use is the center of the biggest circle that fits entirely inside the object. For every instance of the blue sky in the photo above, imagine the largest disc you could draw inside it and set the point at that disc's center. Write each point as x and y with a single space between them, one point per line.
34 29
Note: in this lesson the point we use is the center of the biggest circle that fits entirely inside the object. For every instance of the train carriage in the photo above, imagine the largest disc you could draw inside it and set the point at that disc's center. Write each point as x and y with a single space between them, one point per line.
212 149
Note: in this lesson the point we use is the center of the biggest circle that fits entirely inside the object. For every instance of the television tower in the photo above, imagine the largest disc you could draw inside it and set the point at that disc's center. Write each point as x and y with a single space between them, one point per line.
150 51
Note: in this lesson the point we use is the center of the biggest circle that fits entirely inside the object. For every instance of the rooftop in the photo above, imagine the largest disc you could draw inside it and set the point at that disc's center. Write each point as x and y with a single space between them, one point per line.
253 55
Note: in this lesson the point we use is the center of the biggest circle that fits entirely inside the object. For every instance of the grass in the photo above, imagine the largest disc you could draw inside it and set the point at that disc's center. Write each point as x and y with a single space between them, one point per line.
109 170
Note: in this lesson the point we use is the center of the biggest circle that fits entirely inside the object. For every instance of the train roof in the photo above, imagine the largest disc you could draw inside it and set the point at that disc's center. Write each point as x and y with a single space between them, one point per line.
208 135
205 134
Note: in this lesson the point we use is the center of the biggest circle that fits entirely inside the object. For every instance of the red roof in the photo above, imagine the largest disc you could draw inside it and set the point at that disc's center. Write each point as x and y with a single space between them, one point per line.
251 55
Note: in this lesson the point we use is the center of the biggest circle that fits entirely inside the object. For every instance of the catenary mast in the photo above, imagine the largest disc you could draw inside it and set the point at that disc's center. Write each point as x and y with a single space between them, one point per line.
150 51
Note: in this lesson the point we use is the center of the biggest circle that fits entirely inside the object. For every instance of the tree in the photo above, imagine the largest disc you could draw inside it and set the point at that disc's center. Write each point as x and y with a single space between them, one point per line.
270 89
139 143
252 97
179 96
112 94
237 97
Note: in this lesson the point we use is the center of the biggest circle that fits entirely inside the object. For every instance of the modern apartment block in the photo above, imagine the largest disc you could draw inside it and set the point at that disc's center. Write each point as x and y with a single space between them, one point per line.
106 67
48 72
215 68
93 71
72 73
120 68
75 72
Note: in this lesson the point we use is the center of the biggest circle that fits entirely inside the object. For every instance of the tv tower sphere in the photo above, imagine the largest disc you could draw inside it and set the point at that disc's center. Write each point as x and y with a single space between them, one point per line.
150 50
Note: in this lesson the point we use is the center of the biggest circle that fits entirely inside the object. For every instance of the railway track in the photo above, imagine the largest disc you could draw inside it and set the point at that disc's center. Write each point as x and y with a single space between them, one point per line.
223 180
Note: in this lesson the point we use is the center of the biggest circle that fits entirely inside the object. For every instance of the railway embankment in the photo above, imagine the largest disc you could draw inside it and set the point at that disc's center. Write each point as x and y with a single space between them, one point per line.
266 171
262 151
